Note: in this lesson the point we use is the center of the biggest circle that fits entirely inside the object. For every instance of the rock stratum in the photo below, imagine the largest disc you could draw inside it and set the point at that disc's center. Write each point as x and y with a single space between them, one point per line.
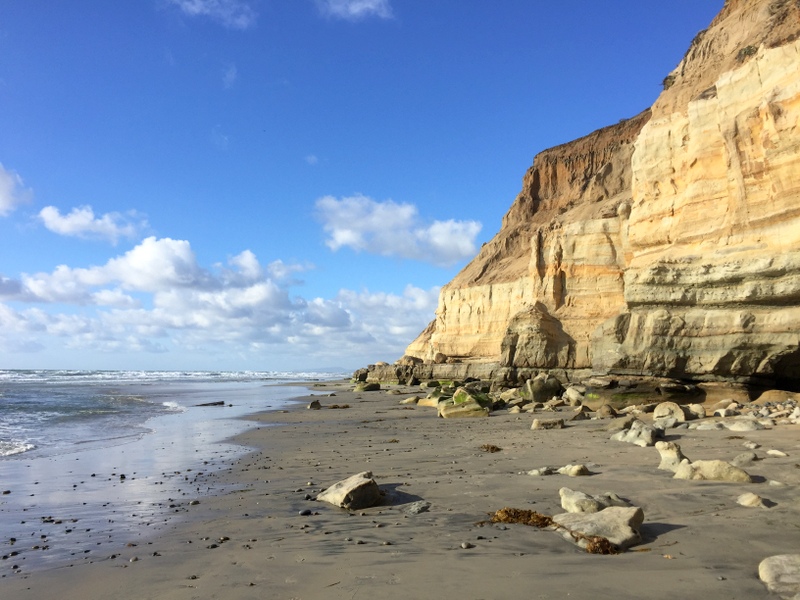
667 245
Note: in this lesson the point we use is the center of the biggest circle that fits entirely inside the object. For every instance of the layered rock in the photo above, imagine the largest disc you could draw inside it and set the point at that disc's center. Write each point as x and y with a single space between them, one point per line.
664 245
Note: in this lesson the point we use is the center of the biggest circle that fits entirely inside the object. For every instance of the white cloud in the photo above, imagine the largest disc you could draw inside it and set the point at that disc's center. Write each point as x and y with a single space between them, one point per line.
81 222
312 160
235 14
229 76
392 229
354 10
12 191
156 298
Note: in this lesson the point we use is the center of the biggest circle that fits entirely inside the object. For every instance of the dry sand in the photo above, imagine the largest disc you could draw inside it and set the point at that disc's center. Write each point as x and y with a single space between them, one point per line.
254 543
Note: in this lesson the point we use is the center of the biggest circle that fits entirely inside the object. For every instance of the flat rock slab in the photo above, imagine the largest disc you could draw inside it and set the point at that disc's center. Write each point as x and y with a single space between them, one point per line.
619 525
781 575
355 492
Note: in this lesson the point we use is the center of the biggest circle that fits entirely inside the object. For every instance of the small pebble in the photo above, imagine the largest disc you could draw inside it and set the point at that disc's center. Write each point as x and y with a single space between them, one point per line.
467 545
304 513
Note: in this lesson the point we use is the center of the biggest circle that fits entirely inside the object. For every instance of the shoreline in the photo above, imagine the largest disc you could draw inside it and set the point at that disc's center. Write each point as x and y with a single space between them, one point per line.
86 502
253 541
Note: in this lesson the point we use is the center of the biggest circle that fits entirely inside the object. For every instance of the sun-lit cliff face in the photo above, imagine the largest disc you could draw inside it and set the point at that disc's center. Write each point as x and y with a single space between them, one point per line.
668 244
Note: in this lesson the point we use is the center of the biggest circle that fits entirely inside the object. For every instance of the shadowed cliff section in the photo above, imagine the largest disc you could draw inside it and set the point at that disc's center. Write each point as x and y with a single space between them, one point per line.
666 245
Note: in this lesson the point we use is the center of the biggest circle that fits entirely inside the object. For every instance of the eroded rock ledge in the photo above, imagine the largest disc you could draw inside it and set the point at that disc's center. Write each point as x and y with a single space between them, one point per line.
666 245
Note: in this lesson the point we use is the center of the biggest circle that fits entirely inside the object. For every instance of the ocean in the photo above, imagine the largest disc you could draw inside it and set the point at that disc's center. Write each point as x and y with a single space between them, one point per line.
85 455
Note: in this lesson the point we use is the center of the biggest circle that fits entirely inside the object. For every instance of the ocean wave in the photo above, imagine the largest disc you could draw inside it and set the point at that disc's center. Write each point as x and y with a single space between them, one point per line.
77 376
9 448
174 406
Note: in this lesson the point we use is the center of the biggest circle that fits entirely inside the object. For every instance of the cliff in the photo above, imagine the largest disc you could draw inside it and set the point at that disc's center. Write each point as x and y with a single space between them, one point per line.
664 245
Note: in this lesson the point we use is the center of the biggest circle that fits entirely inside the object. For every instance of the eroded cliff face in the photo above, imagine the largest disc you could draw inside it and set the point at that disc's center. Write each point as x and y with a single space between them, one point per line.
664 245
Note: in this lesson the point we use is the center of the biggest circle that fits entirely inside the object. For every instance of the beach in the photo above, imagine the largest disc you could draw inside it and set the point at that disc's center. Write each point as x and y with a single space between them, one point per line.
266 536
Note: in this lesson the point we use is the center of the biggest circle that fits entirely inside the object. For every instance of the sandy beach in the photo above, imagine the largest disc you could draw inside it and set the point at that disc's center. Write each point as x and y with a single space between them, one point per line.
258 540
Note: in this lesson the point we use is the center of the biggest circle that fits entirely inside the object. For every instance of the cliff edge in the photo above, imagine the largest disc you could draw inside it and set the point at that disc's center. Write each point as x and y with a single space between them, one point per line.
665 245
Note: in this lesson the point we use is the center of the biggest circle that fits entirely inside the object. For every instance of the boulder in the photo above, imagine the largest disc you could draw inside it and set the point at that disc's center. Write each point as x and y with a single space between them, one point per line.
464 395
639 433
669 410
363 386
463 405
751 500
574 501
781 575
573 470
711 470
606 411
573 396
671 456
511 395
695 411
354 493
619 525
541 388
744 459
413 400
314 405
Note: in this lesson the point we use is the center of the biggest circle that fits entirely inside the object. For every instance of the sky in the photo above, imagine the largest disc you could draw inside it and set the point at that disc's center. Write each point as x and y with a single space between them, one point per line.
283 184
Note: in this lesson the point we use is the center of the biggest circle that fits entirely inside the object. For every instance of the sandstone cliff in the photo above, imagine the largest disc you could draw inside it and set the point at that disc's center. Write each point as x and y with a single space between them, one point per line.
664 245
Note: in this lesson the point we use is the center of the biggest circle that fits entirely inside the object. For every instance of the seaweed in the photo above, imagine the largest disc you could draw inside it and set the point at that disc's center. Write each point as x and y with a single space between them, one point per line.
595 544
491 448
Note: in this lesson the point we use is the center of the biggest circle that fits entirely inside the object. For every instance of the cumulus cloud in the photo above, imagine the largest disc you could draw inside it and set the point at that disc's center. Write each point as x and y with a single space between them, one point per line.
234 14
394 229
81 222
354 10
156 298
12 191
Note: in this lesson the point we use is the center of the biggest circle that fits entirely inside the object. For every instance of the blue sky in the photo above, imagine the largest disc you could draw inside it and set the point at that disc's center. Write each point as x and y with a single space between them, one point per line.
282 184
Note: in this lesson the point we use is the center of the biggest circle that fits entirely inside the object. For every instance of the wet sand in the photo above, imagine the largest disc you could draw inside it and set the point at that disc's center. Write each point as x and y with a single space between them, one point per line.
253 541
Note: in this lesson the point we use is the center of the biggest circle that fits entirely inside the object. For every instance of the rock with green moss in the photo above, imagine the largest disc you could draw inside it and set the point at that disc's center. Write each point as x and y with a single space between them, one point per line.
364 386
465 403
462 395
468 408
